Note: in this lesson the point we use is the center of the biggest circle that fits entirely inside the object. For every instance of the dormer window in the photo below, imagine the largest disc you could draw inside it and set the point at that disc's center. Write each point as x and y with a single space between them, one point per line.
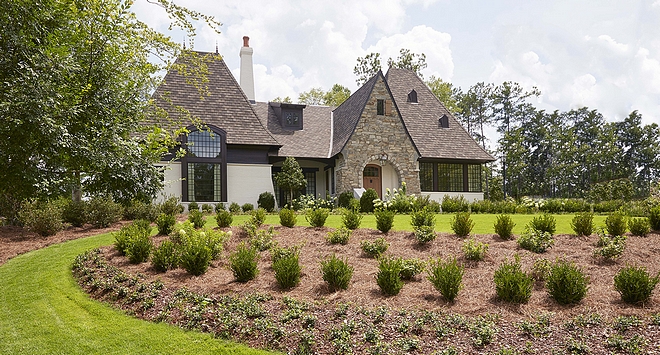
289 115
444 121
412 96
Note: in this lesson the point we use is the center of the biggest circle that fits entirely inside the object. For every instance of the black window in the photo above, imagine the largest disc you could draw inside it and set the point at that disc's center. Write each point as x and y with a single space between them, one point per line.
412 96
474 178
204 166
426 176
380 107
444 121
310 189
449 177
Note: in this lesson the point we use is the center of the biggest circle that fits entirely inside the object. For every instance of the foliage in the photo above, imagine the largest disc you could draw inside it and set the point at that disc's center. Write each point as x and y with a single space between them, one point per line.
75 213
41 217
511 283
247 207
366 68
336 272
351 219
462 224
535 241
615 224
195 255
340 235
610 248
454 204
139 248
566 283
424 234
290 178
266 201
583 224
545 223
193 206
333 97
384 220
207 208
423 217
446 276
415 62
473 250
316 217
234 207
398 200
635 284
504 227
304 202
137 209
388 277
344 199
219 207
277 253
541 269
103 212
263 239
367 200
287 271
165 256
411 268
243 263
171 206
374 248
654 218
639 227
197 218
288 217
258 217
223 219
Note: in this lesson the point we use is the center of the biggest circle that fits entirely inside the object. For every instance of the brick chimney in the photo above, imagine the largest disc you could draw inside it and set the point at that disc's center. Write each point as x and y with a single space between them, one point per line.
247 73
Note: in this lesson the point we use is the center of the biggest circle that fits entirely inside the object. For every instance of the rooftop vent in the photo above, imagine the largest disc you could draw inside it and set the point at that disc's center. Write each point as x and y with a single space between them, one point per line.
412 96
444 121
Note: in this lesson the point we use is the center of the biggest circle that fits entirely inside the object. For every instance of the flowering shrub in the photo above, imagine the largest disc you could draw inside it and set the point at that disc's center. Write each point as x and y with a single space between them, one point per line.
396 200
310 202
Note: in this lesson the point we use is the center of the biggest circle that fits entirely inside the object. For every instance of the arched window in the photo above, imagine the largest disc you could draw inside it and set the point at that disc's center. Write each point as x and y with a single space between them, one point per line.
204 167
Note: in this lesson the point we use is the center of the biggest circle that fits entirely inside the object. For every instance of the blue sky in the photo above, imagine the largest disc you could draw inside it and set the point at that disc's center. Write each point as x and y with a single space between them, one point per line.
601 54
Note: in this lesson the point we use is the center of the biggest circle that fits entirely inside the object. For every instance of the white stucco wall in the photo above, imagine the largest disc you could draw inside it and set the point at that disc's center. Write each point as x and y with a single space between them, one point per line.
246 181
469 196
172 174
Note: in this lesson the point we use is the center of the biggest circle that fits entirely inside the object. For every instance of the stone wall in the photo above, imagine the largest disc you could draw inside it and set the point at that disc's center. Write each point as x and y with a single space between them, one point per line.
374 136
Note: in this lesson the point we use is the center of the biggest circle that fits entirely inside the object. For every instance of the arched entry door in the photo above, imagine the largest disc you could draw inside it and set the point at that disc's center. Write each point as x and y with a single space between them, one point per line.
372 179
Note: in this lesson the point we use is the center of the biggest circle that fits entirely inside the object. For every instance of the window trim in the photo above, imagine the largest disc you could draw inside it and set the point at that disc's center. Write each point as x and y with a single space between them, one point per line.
222 161
465 178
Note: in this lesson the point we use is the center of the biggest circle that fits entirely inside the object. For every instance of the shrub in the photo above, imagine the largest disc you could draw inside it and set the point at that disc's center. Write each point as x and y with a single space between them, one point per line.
583 224
504 226
43 218
247 207
634 284
376 248
384 220
336 272
446 276
263 239
287 271
248 229
654 218
351 219
511 283
287 217
258 217
75 212
454 204
615 224
219 207
411 268
266 201
193 206
566 283
234 207
317 216
367 201
165 223
389 275
424 234
103 212
196 255
215 241
535 241
171 206
197 218
123 238
541 269
139 247
462 224
423 217
243 263
473 250
277 253
224 219
137 209
207 208
344 199
545 223
165 257
340 235
639 227
610 248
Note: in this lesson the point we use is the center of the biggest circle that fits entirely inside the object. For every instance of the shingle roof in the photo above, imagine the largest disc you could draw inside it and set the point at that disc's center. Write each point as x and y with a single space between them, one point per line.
347 115
313 141
226 106
422 121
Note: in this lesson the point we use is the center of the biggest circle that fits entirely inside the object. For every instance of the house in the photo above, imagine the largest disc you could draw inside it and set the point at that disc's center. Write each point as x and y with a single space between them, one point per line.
391 130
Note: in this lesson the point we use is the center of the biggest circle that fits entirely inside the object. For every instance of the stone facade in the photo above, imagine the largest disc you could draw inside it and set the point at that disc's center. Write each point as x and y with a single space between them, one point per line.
374 136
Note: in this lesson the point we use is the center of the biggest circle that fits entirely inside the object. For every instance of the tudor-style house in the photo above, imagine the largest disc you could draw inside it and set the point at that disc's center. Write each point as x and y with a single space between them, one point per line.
391 130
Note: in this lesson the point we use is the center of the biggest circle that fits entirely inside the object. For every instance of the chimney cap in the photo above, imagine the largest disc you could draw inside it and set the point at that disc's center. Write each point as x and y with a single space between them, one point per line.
246 41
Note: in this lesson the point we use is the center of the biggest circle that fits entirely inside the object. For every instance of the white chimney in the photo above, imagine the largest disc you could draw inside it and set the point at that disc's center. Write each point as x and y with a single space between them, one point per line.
247 73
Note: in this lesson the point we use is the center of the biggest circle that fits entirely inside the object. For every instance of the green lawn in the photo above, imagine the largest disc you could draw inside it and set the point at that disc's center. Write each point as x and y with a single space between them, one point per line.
43 311
483 223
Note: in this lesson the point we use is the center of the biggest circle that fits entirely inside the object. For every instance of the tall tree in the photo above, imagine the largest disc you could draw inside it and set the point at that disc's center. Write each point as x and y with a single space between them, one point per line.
333 97
415 62
366 68
290 178
450 96
312 97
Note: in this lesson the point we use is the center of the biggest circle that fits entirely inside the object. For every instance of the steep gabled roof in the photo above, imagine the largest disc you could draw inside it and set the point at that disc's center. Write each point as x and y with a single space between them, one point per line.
347 115
422 121
226 106
310 142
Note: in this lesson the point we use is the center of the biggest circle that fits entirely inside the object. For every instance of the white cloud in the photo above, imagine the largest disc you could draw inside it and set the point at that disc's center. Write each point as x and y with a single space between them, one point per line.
613 45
